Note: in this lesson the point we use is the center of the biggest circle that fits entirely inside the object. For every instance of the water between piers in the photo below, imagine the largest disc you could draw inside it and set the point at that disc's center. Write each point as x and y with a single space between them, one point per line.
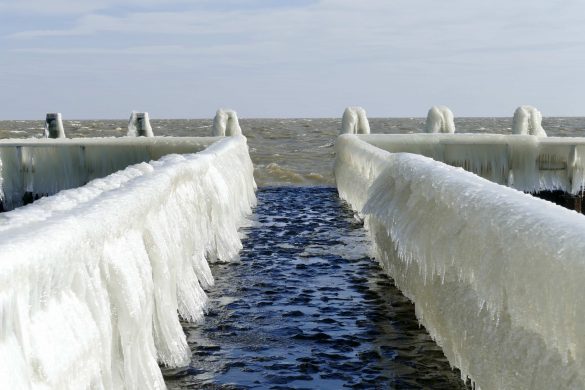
306 307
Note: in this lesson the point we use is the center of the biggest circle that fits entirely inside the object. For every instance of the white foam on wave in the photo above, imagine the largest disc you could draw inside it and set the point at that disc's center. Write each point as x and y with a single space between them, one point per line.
91 280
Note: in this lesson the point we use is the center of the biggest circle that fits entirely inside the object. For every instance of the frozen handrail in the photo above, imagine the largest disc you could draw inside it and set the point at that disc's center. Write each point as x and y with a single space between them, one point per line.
355 121
440 120
225 123
528 121
139 125
54 126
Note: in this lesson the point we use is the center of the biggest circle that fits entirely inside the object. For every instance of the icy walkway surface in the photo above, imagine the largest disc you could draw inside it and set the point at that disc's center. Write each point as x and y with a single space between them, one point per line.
307 308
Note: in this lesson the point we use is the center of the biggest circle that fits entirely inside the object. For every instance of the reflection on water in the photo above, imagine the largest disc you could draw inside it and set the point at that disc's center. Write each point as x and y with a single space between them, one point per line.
305 307
285 151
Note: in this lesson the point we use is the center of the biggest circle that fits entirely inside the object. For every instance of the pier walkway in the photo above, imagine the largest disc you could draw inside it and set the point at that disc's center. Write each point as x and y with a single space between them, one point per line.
307 308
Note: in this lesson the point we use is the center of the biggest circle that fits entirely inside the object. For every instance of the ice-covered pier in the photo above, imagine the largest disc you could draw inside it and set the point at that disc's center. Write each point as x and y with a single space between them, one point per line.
496 274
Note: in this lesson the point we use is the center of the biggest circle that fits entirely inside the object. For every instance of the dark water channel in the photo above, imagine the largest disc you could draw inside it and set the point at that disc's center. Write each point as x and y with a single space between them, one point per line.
307 308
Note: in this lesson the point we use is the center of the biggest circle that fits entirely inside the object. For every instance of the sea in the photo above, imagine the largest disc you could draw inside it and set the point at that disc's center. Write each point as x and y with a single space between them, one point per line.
306 306
286 152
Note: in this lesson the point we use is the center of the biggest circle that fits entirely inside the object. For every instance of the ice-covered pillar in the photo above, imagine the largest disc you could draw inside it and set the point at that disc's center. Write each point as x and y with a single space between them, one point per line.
355 121
54 126
440 120
139 125
528 121
226 123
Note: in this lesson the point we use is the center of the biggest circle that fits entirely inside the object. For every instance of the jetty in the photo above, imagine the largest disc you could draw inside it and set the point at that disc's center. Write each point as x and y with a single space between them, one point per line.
114 251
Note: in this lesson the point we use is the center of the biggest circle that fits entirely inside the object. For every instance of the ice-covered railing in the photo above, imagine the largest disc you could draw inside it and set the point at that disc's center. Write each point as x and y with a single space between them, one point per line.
45 166
528 121
355 121
139 125
527 163
225 123
496 275
92 279
440 120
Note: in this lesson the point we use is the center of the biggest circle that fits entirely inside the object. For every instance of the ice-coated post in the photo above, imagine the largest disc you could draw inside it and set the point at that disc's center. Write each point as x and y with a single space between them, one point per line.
355 121
440 120
139 125
226 123
54 126
528 121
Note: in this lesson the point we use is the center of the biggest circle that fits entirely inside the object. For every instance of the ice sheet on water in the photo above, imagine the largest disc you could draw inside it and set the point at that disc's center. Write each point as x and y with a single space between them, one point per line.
495 274
91 280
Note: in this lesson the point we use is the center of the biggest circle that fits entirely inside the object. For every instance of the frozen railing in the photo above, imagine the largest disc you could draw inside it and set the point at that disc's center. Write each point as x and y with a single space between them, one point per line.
355 121
92 279
496 275
38 167
527 163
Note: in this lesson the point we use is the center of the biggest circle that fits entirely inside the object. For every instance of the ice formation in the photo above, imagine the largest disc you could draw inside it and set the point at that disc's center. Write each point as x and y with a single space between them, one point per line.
496 275
527 163
92 279
226 123
45 166
355 121
528 121
139 125
54 126
440 120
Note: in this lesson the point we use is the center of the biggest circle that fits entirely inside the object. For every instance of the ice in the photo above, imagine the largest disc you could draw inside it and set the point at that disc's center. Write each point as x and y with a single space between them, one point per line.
528 121
226 123
355 121
440 120
527 163
139 125
46 166
496 275
92 279
54 126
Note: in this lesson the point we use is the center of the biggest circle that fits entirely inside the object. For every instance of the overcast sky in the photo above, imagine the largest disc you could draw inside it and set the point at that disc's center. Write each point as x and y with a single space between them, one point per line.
304 58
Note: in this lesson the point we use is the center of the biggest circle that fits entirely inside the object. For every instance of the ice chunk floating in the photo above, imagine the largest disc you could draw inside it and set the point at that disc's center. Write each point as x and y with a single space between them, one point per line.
89 297
496 275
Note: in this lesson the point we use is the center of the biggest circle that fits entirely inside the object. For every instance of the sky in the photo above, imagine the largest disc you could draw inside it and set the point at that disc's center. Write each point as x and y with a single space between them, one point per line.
95 59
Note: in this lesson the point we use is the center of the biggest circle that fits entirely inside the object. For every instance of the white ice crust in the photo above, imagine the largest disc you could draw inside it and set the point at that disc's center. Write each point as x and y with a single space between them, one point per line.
440 120
54 126
528 121
46 166
225 123
92 279
527 163
139 125
355 121
496 275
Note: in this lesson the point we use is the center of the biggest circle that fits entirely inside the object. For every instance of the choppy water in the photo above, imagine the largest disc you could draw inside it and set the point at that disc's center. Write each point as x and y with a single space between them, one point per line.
306 307
286 151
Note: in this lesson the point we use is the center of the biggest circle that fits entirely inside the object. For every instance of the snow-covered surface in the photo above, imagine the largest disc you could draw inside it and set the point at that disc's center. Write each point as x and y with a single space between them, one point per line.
46 166
440 120
528 121
139 125
225 123
92 279
355 121
496 275
526 163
